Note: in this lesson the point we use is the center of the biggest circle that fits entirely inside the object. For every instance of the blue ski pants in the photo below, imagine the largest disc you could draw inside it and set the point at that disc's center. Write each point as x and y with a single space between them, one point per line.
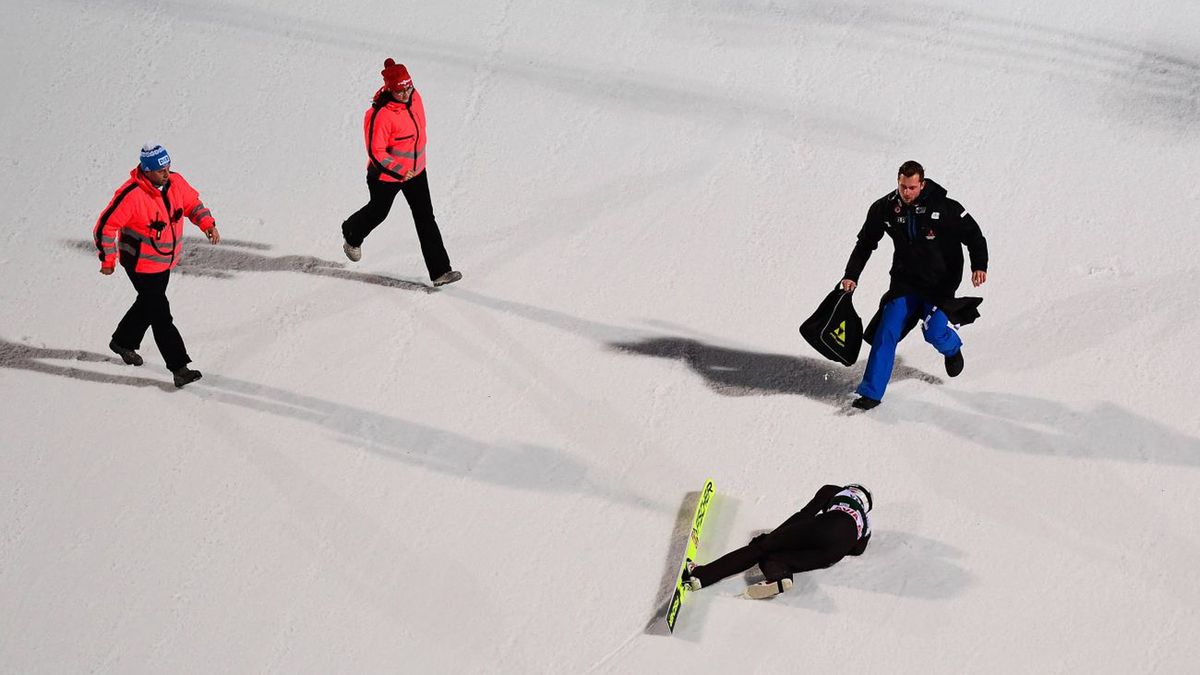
934 325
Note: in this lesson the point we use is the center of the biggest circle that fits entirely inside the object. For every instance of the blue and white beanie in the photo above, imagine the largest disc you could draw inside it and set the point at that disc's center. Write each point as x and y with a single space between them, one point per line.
154 157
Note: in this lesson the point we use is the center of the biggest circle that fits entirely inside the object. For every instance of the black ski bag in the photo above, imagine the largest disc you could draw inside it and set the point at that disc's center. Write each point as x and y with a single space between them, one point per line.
835 329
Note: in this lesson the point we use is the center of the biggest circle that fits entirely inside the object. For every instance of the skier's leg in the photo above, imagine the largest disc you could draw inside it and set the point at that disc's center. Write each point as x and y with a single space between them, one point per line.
793 533
745 557
883 348
416 192
784 564
734 562
818 543
361 222
792 520
938 332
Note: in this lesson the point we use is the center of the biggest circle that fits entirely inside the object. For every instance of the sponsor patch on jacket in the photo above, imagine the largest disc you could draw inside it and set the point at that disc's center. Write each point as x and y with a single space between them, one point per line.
935 215
920 209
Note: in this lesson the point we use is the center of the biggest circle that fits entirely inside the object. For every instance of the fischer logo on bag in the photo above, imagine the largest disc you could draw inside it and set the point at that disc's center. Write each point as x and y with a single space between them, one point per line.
839 334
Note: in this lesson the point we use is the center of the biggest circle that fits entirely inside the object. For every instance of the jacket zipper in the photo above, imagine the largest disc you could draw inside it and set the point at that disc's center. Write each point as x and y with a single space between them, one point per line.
417 133
375 162
176 234
158 235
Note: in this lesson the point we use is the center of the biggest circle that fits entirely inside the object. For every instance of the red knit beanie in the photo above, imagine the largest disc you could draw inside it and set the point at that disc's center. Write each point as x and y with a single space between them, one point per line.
395 75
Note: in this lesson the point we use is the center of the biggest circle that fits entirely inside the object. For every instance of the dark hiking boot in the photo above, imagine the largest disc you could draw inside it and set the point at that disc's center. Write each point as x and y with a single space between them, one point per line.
954 364
185 375
864 403
130 357
447 278
768 589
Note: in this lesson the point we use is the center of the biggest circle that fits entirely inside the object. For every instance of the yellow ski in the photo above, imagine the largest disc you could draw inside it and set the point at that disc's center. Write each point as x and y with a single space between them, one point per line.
681 591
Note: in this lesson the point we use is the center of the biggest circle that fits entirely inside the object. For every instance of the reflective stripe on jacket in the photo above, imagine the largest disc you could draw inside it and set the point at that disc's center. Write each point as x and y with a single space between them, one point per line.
143 225
395 137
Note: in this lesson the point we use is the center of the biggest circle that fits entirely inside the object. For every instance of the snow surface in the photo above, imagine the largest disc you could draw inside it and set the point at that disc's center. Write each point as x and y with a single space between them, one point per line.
645 198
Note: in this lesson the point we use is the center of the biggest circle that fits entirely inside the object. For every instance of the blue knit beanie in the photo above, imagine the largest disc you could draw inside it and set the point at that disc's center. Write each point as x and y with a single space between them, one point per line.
154 157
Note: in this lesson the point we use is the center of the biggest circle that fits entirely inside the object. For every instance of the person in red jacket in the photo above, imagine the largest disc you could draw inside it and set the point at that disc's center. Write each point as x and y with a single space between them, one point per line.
142 227
394 127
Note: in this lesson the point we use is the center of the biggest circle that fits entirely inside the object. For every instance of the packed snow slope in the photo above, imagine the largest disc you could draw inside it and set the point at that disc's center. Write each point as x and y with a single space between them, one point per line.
645 198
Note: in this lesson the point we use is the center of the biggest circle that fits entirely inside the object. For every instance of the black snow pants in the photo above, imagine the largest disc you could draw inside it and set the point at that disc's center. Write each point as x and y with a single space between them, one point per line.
416 192
152 310
800 544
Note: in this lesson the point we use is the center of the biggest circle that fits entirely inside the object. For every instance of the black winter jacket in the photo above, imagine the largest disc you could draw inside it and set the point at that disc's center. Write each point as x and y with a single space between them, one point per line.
928 236
823 500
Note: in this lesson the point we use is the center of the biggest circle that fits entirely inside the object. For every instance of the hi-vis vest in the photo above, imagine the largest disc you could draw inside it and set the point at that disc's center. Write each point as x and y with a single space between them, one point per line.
144 225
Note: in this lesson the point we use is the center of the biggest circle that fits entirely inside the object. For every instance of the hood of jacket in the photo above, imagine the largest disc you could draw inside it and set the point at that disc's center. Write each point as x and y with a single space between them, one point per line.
931 192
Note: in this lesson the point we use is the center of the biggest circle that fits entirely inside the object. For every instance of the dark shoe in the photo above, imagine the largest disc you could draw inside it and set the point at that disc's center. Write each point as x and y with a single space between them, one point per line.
864 403
954 364
447 278
185 375
130 357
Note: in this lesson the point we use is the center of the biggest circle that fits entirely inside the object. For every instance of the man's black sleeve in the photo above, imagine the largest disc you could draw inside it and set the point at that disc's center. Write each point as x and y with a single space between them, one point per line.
973 238
819 500
868 240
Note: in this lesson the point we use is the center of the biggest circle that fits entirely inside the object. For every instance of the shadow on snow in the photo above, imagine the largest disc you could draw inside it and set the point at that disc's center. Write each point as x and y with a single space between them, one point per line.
232 255
521 466
735 372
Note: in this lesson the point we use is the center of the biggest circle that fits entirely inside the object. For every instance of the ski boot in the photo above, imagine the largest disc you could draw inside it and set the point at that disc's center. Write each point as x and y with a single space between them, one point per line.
768 589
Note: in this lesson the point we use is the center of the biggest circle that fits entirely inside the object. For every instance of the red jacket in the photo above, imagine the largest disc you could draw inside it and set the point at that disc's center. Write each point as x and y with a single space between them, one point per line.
395 136
146 224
